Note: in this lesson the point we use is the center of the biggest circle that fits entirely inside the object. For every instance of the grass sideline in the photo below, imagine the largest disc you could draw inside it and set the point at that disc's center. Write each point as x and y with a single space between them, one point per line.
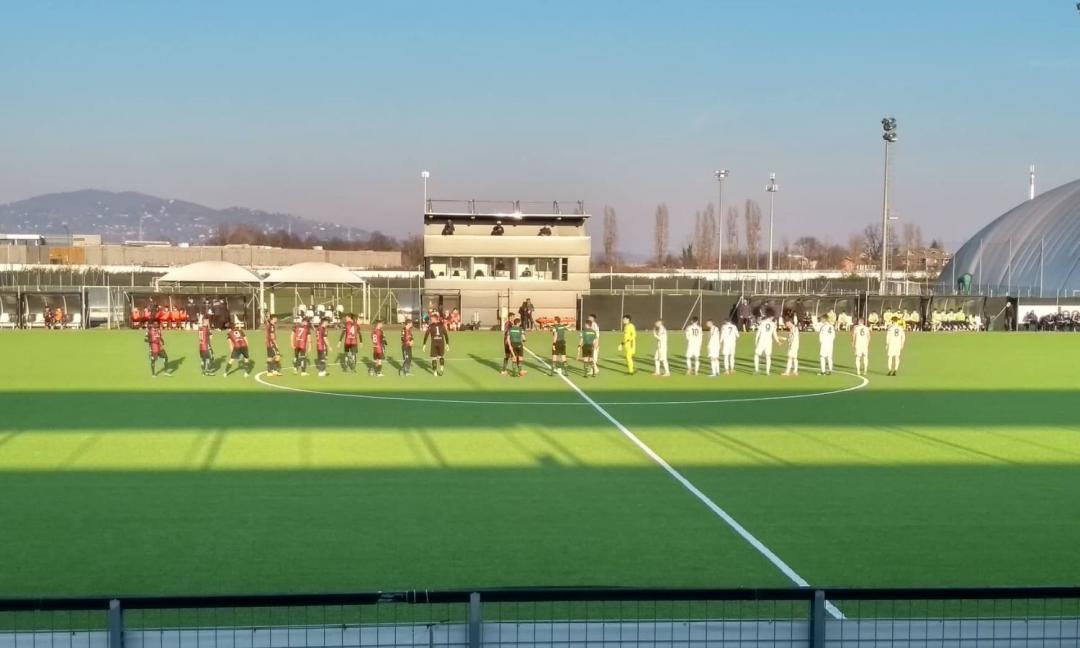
960 471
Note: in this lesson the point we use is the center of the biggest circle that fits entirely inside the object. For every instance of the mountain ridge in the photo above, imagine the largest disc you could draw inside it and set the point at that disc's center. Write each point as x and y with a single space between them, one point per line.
123 215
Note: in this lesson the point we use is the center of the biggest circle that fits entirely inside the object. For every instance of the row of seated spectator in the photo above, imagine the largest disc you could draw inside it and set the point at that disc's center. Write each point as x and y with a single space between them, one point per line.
171 317
1060 321
497 230
955 320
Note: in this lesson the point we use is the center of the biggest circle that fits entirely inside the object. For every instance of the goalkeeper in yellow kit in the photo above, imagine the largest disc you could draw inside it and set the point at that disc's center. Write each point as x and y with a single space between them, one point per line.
629 343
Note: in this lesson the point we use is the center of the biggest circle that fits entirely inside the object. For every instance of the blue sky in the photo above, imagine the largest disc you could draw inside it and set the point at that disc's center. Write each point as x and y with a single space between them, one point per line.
330 110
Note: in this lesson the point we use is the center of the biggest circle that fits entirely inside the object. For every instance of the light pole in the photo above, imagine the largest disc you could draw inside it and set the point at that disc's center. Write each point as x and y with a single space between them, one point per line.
425 174
888 125
720 175
772 188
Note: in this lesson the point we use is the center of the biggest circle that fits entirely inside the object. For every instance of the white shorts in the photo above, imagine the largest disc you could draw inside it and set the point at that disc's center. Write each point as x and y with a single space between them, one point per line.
861 353
693 353
727 352
763 350
893 353
826 354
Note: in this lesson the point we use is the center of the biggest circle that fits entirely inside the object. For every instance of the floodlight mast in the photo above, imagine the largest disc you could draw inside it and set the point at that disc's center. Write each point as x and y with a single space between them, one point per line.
721 174
772 188
888 125
1031 182
425 174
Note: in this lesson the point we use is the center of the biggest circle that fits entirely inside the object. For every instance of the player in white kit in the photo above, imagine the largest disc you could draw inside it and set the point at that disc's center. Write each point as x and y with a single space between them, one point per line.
714 349
729 335
660 355
826 336
860 344
693 347
594 324
894 344
792 349
763 343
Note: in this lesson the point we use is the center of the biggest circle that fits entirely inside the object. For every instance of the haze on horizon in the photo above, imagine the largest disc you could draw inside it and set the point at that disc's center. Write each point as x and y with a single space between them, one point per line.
330 111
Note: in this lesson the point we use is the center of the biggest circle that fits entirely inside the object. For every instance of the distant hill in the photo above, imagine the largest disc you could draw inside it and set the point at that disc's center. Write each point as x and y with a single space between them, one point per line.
116 216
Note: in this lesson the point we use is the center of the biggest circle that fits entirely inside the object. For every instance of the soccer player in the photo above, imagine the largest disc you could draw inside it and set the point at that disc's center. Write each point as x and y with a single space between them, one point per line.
596 344
323 348
629 343
406 347
660 355
273 355
157 349
693 347
440 342
860 344
238 351
714 348
729 336
300 333
558 347
792 349
894 344
763 343
587 346
826 337
378 349
206 351
515 344
350 337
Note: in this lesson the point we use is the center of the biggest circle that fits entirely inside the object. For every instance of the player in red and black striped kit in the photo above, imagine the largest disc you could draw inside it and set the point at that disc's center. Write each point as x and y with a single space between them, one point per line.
322 348
440 342
157 349
378 349
206 351
350 338
300 333
406 348
273 355
238 350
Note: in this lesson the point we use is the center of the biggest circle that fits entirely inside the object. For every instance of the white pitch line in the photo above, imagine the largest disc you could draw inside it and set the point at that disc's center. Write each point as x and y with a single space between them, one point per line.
714 401
777 561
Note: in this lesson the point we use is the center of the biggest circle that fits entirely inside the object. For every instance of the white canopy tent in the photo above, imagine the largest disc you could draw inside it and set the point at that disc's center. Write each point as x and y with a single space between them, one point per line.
203 272
314 275
216 278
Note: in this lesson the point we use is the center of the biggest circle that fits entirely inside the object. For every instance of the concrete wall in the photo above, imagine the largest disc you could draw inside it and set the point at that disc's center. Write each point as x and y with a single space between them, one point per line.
121 255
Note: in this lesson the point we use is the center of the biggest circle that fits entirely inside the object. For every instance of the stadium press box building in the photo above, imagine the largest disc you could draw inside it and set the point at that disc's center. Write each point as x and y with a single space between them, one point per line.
487 258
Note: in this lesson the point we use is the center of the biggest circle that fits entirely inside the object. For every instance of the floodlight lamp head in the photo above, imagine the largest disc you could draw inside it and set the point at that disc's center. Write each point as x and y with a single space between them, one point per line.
721 174
425 174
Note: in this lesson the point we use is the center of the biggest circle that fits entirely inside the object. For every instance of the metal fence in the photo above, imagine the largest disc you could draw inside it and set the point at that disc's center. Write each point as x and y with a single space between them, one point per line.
558 618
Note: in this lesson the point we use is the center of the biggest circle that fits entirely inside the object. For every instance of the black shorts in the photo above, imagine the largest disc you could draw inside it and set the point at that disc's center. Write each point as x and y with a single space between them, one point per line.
559 348
438 349
586 350
350 348
206 355
155 355
240 352
299 352
377 355
272 352
518 350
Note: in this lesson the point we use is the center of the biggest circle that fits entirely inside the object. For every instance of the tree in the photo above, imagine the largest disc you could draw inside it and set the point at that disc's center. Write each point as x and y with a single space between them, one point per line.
412 251
705 234
871 243
731 245
809 247
611 236
753 232
687 256
661 235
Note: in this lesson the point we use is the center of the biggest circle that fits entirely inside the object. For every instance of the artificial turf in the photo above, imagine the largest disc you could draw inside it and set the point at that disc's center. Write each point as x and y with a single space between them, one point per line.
962 470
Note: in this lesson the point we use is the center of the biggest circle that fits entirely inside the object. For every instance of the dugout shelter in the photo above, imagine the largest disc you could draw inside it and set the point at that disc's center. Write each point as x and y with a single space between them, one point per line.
314 285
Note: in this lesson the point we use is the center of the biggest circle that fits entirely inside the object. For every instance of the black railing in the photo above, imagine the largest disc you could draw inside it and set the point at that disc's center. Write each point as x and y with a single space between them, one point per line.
556 617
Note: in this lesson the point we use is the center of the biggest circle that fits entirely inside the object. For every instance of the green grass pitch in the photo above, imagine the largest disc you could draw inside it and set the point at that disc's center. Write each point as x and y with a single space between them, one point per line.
962 470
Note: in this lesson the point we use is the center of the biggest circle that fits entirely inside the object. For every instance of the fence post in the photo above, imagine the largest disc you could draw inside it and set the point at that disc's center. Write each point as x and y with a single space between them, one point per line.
817 620
116 624
474 621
